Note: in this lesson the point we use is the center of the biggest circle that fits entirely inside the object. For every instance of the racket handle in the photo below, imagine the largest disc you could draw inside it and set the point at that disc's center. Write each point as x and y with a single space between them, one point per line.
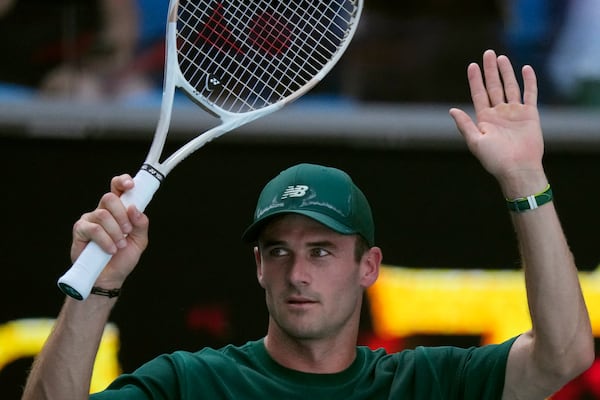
77 282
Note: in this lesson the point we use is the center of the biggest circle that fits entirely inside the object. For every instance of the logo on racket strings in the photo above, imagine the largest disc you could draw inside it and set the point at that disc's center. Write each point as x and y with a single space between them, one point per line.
294 191
212 82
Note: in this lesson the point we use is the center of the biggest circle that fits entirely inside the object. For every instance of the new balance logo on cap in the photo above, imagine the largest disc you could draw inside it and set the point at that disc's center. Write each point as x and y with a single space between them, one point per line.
294 191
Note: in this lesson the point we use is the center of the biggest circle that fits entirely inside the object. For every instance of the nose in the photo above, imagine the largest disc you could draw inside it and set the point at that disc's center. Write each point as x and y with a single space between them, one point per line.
299 272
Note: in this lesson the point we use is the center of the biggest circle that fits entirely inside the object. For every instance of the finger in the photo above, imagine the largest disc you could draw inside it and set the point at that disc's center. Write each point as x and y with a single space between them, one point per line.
85 231
530 89
109 222
113 203
465 125
512 91
120 184
494 86
479 94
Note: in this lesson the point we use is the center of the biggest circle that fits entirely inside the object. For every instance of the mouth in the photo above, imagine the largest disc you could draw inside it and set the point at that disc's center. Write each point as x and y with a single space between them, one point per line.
300 302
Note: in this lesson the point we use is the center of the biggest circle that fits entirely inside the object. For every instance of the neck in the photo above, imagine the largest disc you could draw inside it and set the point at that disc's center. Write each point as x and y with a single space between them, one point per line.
319 356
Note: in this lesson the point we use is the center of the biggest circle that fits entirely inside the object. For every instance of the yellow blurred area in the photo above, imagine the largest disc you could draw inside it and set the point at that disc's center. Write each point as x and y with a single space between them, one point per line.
489 303
25 338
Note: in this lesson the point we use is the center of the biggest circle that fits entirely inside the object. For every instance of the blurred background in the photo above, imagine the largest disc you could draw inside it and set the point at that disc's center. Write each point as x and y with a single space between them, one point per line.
80 89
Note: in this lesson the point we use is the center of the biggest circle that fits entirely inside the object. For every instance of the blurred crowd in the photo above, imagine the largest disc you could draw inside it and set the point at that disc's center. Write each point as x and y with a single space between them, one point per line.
410 51
81 49
561 38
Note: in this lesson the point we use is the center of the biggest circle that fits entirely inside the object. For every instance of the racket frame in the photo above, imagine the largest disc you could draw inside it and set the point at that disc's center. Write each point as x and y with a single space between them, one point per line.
77 282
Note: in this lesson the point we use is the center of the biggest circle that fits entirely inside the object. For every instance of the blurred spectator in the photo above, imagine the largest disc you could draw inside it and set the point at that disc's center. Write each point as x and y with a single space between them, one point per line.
575 61
36 36
82 50
100 70
531 28
410 50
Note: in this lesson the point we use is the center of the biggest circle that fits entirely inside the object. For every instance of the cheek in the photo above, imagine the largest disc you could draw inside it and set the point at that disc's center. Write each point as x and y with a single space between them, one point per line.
269 278
345 286
344 301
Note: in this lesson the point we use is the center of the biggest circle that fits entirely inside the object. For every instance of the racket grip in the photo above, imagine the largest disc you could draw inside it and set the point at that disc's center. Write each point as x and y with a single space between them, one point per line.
77 282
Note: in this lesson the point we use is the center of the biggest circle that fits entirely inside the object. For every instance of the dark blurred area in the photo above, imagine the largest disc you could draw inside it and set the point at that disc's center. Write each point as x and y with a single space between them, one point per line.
38 36
435 208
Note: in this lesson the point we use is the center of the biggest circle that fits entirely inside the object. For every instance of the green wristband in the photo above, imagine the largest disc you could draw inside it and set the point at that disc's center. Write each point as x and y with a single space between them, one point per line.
532 202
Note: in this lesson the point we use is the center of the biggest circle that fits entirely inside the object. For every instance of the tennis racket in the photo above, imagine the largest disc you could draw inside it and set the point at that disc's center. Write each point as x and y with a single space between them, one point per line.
239 60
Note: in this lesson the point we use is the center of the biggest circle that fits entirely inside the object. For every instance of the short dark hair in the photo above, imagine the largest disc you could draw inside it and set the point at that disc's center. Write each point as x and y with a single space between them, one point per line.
360 248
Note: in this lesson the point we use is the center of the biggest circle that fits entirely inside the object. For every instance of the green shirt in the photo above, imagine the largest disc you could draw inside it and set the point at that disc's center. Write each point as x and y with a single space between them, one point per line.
248 372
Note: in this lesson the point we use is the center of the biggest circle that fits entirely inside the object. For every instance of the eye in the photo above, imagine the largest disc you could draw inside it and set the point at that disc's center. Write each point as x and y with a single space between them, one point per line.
319 252
278 252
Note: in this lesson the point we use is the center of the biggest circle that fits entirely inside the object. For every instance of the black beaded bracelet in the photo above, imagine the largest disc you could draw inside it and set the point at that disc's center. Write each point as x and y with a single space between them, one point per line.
110 293
530 202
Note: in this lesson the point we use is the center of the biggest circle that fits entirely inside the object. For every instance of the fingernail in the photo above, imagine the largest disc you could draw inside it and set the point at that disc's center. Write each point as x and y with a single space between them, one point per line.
126 227
121 244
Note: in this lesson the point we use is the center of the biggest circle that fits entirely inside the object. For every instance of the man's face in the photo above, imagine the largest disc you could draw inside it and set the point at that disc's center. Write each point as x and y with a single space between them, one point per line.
313 283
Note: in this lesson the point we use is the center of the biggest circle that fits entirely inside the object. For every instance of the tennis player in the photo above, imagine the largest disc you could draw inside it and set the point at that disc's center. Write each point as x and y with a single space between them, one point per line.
313 241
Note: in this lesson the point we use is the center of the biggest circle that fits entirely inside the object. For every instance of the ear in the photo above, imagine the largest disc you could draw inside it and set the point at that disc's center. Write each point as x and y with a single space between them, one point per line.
370 264
258 262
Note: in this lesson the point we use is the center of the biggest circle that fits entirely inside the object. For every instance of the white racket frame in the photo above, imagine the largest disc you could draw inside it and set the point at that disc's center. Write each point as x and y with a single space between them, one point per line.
78 281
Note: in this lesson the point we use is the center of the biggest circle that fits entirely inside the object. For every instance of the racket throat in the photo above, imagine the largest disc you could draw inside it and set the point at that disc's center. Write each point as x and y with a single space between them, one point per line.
153 171
147 181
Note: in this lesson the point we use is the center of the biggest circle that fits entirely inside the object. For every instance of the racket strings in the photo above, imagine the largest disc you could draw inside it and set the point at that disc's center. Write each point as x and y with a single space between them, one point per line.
306 65
242 69
215 32
274 75
246 55
297 67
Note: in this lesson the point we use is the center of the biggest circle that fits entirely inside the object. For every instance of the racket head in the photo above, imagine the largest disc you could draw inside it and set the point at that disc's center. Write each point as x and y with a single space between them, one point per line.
246 56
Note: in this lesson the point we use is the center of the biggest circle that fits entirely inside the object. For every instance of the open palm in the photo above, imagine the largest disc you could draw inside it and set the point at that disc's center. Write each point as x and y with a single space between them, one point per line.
507 135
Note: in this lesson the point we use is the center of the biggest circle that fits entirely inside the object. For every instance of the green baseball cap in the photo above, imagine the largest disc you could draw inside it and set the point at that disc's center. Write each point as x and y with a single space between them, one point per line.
324 194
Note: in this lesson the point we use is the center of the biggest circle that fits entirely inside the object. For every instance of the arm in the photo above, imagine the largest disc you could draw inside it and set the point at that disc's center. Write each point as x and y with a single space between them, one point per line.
63 369
507 139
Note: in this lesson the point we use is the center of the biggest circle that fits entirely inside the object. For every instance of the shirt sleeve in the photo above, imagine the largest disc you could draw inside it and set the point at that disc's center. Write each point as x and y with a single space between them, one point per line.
156 379
476 373
482 371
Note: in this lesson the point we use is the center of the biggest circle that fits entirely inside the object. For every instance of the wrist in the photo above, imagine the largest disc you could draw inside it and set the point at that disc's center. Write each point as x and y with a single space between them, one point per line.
106 289
530 202
524 184
106 292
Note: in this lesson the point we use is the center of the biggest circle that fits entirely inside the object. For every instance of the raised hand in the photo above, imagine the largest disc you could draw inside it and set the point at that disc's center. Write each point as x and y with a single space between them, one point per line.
506 136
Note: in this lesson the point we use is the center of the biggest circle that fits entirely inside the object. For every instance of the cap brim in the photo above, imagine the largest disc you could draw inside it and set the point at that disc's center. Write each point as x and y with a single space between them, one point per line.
251 234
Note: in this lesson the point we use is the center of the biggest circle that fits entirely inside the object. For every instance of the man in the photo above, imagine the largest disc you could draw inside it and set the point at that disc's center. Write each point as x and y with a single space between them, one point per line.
315 256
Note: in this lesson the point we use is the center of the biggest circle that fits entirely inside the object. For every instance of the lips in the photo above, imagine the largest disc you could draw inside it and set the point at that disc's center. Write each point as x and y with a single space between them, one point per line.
299 300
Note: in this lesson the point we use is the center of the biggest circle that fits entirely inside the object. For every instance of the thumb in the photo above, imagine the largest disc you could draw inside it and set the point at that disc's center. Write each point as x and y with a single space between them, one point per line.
139 232
465 124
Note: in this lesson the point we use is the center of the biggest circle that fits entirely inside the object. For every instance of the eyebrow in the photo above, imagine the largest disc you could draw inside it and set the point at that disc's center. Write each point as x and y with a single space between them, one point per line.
270 243
321 243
